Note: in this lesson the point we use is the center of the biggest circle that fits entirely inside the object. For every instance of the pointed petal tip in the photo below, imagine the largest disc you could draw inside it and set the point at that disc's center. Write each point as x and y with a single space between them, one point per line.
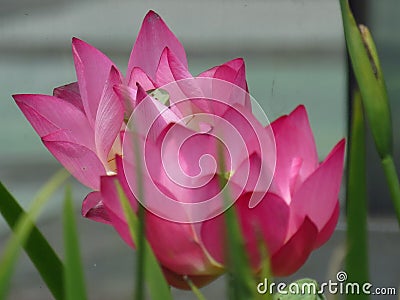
151 12
165 52
236 63
77 41
153 36
341 146
24 97
140 94
342 143
18 97
79 46
338 149
300 110
114 69
238 59
152 15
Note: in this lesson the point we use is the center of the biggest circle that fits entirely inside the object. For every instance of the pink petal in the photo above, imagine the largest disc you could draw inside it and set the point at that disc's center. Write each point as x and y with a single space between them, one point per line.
157 187
127 96
170 69
70 93
127 93
184 245
151 117
177 280
328 229
93 208
153 37
248 173
213 236
294 142
234 72
248 128
268 222
317 197
114 209
186 93
48 114
92 70
140 77
256 171
109 118
296 251
184 161
77 159
234 65
109 191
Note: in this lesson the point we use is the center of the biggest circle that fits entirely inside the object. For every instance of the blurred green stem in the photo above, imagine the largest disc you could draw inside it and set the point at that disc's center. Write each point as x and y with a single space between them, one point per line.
140 242
356 200
393 182
23 229
74 280
241 282
194 288
369 75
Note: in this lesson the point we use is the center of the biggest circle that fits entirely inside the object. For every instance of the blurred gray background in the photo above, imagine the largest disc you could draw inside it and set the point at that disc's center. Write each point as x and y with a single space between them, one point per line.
294 53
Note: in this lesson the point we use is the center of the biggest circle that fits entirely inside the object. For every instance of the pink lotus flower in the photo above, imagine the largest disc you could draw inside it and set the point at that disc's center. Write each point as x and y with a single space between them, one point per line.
300 210
297 214
80 123
85 125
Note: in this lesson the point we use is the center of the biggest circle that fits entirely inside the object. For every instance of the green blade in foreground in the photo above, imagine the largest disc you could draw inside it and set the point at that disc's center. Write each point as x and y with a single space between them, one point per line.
26 234
241 282
369 75
265 272
356 201
194 288
368 72
73 272
158 286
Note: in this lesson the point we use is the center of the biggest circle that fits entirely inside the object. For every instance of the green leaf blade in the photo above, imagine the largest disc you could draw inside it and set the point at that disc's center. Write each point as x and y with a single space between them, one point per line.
73 275
158 286
367 70
356 200
27 235
241 282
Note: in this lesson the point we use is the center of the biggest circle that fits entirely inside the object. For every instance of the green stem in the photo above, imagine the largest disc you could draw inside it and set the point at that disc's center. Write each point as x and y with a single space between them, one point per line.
140 263
369 75
141 240
194 288
74 279
241 282
393 182
356 200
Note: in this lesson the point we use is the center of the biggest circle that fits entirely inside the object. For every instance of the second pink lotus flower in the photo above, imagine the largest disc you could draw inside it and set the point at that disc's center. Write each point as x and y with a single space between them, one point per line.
83 123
